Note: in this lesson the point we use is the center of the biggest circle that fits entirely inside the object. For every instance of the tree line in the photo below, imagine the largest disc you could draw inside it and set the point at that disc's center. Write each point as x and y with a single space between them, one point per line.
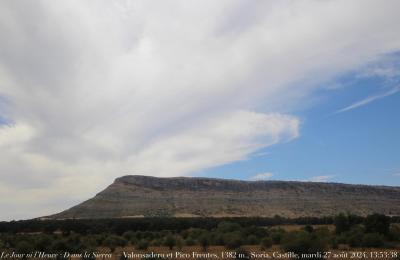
119 225
78 236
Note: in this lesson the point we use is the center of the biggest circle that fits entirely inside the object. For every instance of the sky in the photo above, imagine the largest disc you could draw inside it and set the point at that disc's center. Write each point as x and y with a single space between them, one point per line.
251 90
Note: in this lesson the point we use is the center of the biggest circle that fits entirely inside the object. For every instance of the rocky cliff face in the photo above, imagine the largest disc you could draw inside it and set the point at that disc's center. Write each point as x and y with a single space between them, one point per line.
142 196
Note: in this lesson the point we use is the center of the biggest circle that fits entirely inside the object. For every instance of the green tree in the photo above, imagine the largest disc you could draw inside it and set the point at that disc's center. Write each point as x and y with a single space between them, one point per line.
372 240
355 236
302 242
341 223
179 243
204 241
24 247
190 242
377 223
394 232
266 242
277 234
170 241
226 227
43 242
59 245
156 242
143 244
113 241
232 240
309 228
252 240
129 235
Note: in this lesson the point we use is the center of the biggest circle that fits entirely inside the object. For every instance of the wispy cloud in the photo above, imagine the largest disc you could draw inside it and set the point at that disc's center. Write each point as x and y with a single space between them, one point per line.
262 176
322 178
385 72
369 99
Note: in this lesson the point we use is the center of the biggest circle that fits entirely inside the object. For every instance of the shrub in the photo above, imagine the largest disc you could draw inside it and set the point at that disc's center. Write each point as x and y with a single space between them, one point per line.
394 233
184 234
170 241
179 243
266 242
252 240
156 242
43 243
334 243
232 240
204 241
143 244
217 239
372 240
302 242
324 235
341 223
129 235
355 236
114 241
277 235
309 228
226 227
59 246
259 232
377 223
88 241
24 247
190 242
148 235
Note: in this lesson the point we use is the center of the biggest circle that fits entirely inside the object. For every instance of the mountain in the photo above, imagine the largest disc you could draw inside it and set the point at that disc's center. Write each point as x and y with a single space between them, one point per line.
143 196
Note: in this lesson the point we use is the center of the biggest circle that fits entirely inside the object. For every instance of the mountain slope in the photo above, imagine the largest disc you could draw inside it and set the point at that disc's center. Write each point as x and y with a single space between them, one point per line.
142 196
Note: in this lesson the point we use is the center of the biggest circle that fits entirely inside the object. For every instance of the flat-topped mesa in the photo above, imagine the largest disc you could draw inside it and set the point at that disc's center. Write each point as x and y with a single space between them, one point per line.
142 196
185 183
199 183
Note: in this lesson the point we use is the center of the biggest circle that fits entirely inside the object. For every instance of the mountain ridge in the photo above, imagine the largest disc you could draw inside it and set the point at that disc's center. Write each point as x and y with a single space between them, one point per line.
147 196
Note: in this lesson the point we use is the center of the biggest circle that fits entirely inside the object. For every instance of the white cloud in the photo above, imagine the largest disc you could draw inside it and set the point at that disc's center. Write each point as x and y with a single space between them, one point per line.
369 99
106 88
262 176
11 136
322 178
216 141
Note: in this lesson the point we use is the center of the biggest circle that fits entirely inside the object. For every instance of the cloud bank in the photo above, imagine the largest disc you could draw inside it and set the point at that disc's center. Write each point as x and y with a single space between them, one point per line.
94 90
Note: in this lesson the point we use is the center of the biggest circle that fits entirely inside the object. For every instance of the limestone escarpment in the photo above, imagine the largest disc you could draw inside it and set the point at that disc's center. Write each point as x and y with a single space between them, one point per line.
143 196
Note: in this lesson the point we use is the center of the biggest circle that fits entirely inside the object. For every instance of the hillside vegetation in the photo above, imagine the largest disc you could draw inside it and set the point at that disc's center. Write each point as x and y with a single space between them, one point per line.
142 196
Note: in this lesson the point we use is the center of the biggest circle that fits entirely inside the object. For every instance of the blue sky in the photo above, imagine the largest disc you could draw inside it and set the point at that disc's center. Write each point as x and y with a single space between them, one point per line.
282 90
360 145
